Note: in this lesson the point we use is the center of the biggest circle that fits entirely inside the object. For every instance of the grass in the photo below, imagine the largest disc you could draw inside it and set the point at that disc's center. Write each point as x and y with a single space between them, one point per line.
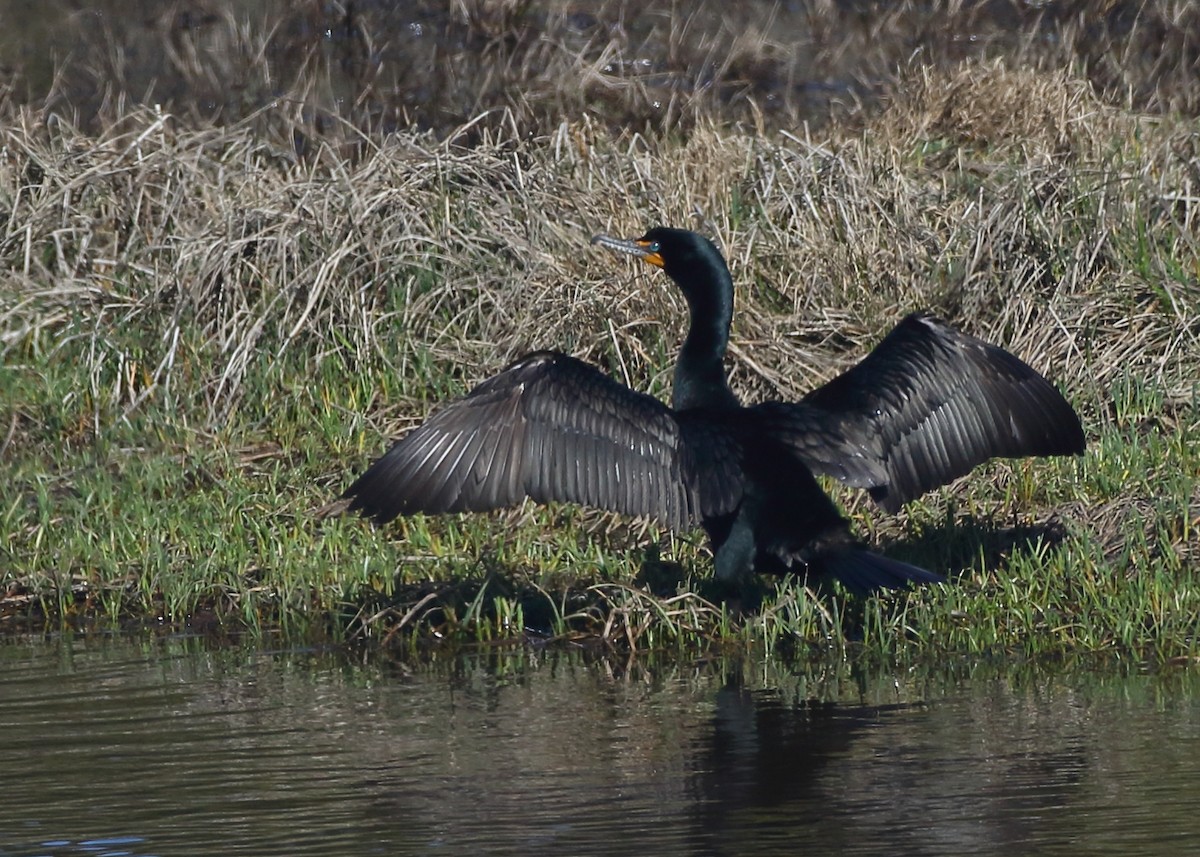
326 75
204 335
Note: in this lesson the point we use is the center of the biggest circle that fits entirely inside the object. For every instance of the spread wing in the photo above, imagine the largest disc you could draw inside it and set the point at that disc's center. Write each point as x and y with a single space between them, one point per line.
549 427
924 407
829 442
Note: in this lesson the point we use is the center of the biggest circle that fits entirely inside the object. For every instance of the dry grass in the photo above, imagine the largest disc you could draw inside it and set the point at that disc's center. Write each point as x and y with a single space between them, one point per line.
327 71
477 254
204 323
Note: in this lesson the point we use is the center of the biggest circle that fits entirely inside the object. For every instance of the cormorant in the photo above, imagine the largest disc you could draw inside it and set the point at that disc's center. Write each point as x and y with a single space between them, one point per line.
925 406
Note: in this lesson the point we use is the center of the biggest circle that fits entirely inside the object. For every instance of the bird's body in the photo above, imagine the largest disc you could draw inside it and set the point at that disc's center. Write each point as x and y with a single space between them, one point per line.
925 406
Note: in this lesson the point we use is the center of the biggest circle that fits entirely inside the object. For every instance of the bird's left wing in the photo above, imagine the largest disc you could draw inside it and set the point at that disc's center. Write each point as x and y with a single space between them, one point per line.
924 407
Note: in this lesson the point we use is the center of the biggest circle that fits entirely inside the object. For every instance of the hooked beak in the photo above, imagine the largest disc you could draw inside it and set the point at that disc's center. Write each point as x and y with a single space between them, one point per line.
647 251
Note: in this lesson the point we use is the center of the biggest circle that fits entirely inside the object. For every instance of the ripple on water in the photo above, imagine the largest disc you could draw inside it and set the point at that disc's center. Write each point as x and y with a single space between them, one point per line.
163 748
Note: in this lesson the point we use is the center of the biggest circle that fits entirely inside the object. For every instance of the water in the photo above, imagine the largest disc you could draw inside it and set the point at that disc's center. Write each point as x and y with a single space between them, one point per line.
169 747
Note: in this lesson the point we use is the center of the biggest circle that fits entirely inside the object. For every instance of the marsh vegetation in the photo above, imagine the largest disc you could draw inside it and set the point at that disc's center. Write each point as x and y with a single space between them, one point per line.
215 310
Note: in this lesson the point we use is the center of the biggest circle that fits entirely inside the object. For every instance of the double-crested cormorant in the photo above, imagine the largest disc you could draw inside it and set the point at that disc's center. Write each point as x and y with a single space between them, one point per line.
925 406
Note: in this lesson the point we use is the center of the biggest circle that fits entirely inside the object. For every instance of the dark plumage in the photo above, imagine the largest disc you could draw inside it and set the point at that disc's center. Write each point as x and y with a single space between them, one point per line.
925 406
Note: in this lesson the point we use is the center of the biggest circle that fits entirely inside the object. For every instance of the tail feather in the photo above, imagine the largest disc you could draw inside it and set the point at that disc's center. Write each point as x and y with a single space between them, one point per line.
864 572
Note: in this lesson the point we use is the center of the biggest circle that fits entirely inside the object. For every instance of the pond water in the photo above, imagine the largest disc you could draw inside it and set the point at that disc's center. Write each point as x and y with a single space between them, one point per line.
172 747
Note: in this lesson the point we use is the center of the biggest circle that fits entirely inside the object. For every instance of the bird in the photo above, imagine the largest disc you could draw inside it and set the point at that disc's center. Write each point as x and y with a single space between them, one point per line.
925 406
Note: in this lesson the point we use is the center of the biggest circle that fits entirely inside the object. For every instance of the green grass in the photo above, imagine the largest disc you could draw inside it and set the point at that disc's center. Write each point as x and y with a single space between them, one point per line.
203 343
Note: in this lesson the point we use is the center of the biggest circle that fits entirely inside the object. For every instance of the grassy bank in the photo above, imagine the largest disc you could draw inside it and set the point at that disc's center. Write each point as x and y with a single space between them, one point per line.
204 337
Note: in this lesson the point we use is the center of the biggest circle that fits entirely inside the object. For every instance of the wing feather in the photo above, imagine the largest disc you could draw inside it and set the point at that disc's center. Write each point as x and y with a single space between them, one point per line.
549 427
924 407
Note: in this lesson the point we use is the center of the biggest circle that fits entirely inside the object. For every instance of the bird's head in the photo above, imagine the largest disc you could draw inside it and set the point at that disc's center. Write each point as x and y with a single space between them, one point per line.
691 260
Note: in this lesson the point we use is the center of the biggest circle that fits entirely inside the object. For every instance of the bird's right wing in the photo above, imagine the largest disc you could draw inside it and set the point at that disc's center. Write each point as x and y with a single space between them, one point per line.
549 427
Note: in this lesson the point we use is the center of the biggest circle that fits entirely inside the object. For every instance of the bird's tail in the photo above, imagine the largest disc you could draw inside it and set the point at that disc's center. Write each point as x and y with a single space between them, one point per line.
863 572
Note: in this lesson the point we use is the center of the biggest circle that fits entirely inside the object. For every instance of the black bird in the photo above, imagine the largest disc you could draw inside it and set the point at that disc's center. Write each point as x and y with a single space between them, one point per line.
925 406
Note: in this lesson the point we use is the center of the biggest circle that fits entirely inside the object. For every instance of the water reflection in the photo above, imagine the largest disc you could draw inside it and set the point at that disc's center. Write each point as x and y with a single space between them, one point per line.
167 748
765 763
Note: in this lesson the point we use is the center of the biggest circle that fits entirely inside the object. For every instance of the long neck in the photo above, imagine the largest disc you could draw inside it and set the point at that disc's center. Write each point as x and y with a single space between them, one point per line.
700 371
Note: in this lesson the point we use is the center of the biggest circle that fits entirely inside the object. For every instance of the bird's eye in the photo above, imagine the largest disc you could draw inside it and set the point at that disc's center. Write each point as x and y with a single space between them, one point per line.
652 247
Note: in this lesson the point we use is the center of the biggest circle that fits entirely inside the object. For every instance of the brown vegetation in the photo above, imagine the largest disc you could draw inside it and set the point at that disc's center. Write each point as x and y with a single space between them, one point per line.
323 71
